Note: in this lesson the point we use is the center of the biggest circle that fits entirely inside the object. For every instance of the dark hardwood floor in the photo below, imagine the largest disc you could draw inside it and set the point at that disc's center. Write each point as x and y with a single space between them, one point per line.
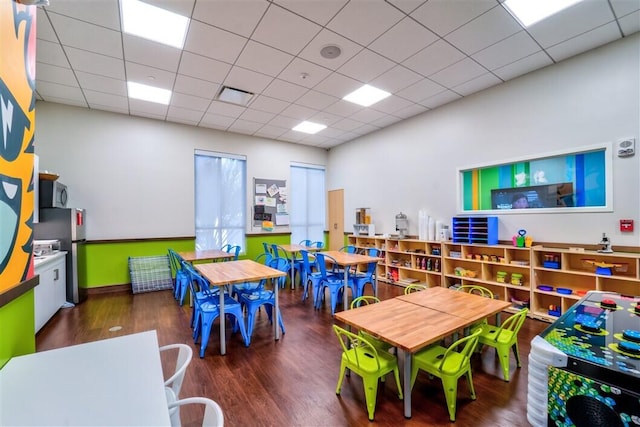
292 382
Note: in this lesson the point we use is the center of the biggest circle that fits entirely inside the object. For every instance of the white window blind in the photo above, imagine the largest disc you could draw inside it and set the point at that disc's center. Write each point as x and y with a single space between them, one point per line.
220 206
307 203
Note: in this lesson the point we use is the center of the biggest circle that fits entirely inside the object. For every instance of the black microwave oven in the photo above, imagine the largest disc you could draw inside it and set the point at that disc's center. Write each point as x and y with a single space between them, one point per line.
53 194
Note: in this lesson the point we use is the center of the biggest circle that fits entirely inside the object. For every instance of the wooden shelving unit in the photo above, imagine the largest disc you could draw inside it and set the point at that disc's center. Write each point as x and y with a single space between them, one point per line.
513 274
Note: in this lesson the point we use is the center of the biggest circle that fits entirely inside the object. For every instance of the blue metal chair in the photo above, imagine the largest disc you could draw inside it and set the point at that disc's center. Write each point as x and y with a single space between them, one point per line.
279 252
334 283
297 262
250 287
206 308
232 249
360 279
252 301
181 281
308 275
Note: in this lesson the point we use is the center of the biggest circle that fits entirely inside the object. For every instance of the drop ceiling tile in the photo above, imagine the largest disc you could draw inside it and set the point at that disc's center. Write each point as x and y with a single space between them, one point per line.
571 22
44 29
51 53
444 16
239 17
458 73
404 39
189 102
100 12
102 99
247 80
318 11
332 132
368 115
269 131
179 115
284 30
624 7
365 129
147 52
86 36
54 74
440 99
284 122
343 108
315 140
216 121
102 84
407 6
347 124
196 87
366 66
150 76
181 7
421 90
325 118
434 58
523 66
507 51
82 60
54 90
285 91
66 101
391 104
148 109
338 85
225 109
630 23
324 38
477 84
257 116
111 109
298 112
244 126
396 79
410 111
263 59
148 114
304 73
214 43
316 100
198 66
268 104
363 22
388 120
586 41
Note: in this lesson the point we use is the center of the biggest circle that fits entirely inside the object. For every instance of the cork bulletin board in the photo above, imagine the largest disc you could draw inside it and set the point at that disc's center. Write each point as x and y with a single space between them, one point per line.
270 203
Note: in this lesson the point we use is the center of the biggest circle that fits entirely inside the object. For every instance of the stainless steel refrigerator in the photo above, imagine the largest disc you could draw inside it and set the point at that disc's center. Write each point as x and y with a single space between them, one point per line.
68 226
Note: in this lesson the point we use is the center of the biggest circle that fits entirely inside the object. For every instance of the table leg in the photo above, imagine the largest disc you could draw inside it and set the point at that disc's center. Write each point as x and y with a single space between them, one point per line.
344 288
406 374
276 310
223 348
293 271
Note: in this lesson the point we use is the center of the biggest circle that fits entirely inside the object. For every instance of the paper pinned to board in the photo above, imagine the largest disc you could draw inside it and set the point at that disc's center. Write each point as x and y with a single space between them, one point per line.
282 219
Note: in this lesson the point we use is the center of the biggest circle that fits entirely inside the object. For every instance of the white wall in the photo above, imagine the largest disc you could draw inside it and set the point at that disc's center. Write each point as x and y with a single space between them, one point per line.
589 99
135 176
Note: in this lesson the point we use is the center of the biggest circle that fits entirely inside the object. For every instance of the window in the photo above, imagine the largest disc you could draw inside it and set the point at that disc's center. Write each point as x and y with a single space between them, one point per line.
307 204
220 186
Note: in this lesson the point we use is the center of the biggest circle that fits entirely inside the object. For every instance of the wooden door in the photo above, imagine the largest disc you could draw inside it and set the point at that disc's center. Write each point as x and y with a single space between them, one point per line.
336 219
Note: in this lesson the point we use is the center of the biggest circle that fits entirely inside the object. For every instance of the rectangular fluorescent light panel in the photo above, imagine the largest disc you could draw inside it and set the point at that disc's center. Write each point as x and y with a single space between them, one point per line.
153 23
366 96
235 96
309 127
529 12
148 93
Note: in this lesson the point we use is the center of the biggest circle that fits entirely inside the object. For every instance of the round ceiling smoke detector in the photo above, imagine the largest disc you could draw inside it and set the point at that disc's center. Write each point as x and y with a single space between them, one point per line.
330 52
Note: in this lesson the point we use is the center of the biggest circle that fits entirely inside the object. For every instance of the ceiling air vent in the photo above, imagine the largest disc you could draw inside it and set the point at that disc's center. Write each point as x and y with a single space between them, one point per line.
234 96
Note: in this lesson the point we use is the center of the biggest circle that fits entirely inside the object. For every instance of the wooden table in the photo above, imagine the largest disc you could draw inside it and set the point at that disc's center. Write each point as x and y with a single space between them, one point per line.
292 250
206 255
230 272
408 324
346 260
112 382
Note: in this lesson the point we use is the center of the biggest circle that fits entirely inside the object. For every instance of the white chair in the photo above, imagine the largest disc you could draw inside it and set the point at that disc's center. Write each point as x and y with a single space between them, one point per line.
213 416
173 384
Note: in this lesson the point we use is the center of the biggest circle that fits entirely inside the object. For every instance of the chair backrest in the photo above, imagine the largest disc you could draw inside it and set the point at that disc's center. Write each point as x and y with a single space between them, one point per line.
357 349
317 245
374 252
476 289
306 264
276 250
213 415
513 324
414 288
464 346
321 263
281 264
264 258
175 260
364 300
305 242
350 249
197 283
267 248
232 249
183 358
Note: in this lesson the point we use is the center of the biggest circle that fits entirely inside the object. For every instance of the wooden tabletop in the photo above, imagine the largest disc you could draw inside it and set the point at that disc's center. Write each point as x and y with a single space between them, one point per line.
462 304
345 258
246 270
407 326
205 255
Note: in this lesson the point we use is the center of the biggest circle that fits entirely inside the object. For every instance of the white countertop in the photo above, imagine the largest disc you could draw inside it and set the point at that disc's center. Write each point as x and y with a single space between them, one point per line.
40 261
112 382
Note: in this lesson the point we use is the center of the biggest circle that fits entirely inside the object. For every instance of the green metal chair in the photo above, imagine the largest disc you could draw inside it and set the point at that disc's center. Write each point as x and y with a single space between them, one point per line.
483 292
414 288
504 338
361 357
377 343
449 365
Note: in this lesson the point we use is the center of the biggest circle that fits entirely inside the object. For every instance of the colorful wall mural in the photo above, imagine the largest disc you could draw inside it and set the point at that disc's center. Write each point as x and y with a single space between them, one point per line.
17 113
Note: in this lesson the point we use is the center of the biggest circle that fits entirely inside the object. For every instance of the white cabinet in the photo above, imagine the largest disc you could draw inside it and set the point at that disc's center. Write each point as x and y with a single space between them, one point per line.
51 292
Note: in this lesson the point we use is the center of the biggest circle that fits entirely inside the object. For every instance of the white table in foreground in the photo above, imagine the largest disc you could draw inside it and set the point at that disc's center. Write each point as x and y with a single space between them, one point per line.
112 382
